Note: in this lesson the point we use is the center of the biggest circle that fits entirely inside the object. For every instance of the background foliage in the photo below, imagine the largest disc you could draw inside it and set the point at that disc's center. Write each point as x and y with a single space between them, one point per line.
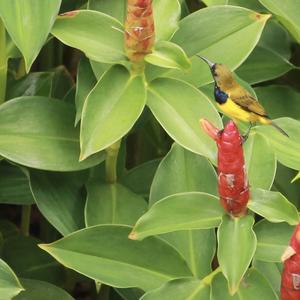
90 149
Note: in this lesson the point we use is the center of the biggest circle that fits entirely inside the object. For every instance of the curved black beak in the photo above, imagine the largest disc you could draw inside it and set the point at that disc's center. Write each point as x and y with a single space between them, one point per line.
211 64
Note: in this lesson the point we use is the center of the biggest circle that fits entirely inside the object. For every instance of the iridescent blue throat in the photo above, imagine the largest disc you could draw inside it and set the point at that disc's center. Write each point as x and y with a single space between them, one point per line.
220 96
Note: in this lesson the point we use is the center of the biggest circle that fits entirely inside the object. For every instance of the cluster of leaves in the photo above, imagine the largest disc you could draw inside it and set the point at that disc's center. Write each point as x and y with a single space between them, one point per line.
60 151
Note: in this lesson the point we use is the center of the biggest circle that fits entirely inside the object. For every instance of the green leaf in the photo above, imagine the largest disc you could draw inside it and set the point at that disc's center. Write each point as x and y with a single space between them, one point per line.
29 23
59 198
287 14
105 253
114 8
260 162
272 240
271 271
279 100
128 294
263 65
86 80
287 149
38 132
237 244
98 35
183 171
10 284
14 187
251 4
168 55
99 68
111 109
112 204
37 265
296 177
166 17
180 289
254 286
35 288
182 211
178 107
273 206
234 23
139 179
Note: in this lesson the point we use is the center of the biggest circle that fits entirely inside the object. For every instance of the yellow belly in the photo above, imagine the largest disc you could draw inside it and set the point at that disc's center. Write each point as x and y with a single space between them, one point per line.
234 111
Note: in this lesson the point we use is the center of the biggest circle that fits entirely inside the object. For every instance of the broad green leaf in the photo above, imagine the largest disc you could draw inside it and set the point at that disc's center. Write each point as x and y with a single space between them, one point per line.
287 14
38 132
277 39
35 289
105 253
271 271
279 101
99 68
166 17
10 285
234 23
287 149
29 23
111 109
129 294
178 107
14 186
273 206
260 162
37 265
183 171
193 210
251 4
180 289
254 286
272 240
98 35
139 179
236 247
86 80
112 204
168 55
196 246
263 65
61 83
8 229
114 8
59 198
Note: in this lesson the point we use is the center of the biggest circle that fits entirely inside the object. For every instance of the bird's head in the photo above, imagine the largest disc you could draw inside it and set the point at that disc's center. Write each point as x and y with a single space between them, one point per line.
223 77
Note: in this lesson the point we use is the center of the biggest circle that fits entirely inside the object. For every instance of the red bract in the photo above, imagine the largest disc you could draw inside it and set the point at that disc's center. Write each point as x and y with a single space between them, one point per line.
139 29
232 180
290 278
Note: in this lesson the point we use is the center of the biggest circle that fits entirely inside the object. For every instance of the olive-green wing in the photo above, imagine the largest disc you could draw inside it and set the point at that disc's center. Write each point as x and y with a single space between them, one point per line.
244 99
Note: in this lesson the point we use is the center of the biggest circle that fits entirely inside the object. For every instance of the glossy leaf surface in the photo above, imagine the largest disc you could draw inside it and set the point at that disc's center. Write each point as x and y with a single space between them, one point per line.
112 204
272 240
10 284
44 137
94 253
181 211
29 23
166 98
237 244
273 206
98 35
116 94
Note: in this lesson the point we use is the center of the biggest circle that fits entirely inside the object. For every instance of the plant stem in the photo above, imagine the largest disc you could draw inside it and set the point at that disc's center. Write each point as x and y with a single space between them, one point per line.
25 219
3 62
208 279
111 162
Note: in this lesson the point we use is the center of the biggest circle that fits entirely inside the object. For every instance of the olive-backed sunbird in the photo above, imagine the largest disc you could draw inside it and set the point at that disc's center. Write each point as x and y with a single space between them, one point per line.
235 101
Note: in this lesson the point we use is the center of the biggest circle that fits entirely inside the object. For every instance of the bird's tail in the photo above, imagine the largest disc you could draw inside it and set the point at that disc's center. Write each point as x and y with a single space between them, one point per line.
279 129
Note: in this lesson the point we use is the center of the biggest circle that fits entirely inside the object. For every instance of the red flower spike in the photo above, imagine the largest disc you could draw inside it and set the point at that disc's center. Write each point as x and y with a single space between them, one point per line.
232 180
290 278
139 29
